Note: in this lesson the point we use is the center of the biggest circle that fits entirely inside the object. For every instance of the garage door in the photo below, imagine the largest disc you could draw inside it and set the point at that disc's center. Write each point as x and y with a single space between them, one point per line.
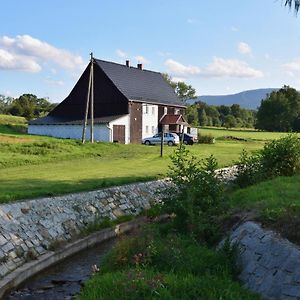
119 134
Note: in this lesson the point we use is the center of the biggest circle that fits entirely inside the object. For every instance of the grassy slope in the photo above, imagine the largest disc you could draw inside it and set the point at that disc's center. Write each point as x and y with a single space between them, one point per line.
276 203
32 166
163 265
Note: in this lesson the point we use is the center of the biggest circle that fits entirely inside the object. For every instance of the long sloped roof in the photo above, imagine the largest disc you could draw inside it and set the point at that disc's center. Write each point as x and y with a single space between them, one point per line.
140 85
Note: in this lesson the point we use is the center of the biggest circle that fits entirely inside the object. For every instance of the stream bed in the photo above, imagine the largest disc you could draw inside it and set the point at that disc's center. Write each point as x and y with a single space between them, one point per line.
64 280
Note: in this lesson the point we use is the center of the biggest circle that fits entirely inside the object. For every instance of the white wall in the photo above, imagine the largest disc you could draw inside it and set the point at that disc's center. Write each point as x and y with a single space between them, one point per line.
121 121
101 131
149 120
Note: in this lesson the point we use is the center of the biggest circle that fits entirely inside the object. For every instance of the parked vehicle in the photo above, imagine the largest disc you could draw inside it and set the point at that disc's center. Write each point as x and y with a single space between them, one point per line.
187 138
170 139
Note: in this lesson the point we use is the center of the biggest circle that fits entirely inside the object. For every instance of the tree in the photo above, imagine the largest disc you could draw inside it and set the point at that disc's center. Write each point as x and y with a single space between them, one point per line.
293 3
203 118
280 111
192 115
5 103
184 91
30 106
230 121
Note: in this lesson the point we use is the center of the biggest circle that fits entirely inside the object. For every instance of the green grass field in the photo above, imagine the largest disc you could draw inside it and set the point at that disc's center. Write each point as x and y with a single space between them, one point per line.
275 203
249 134
34 166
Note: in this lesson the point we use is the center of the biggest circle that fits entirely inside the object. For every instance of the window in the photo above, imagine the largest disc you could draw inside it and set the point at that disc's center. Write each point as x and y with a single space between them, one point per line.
146 111
176 111
153 129
147 128
165 110
153 110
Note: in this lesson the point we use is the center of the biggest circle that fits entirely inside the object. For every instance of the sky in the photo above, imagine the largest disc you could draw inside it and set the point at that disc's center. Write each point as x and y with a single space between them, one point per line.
219 47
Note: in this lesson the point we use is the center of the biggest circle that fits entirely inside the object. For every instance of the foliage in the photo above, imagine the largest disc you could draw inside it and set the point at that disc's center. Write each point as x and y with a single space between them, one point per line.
30 106
295 3
5 103
191 113
227 116
278 158
159 264
205 139
184 91
199 195
280 111
281 157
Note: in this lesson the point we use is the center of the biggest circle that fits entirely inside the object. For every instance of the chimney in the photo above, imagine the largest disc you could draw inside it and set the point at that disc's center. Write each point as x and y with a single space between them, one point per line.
127 63
140 66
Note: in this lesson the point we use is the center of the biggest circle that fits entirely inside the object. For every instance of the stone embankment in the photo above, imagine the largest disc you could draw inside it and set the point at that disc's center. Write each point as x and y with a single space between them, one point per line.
270 265
29 228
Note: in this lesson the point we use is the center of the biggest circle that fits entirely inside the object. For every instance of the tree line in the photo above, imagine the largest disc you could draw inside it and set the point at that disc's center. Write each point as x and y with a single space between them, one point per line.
202 114
28 106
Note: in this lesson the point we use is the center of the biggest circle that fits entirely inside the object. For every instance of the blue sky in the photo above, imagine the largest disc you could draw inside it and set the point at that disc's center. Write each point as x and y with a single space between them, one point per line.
219 47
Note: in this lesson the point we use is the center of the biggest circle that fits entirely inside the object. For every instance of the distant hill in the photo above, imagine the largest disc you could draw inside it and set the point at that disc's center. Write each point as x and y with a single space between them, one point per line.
247 99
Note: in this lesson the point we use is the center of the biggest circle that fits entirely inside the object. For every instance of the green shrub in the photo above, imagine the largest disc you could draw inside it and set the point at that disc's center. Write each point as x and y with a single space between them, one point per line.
206 139
278 158
197 196
281 157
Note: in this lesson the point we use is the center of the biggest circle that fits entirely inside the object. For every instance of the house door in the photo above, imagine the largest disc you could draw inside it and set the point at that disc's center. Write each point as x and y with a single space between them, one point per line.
119 134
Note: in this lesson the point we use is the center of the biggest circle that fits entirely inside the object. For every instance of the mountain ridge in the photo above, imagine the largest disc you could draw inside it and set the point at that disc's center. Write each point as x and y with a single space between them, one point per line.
247 99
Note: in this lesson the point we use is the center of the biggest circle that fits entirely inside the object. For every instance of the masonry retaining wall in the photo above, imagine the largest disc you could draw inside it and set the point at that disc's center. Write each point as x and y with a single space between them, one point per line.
28 228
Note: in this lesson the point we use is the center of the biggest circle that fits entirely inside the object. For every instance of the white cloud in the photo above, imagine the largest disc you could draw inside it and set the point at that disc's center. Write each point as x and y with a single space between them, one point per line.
179 69
177 79
163 54
292 66
221 67
121 53
35 51
141 59
54 82
244 48
234 29
192 21
11 61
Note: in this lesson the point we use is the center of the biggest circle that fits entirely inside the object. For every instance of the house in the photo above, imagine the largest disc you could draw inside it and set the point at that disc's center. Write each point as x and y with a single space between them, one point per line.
130 103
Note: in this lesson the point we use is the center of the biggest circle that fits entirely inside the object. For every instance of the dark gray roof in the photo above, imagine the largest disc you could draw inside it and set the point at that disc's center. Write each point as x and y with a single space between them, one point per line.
50 120
140 85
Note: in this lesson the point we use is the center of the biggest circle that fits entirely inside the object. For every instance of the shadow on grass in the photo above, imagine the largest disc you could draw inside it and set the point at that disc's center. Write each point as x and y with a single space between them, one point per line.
14 190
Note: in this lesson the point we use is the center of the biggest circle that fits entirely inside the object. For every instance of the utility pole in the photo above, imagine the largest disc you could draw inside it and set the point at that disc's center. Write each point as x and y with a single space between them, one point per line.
162 141
88 106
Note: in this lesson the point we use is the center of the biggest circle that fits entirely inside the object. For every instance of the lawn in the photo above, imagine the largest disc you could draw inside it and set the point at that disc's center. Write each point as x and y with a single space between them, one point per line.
35 166
249 134
275 203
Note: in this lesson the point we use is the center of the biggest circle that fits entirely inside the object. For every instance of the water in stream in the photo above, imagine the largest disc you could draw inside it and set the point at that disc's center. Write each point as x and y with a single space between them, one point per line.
65 279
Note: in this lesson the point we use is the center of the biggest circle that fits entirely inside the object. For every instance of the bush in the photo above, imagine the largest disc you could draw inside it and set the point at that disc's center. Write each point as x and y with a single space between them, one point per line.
281 157
278 158
206 139
197 197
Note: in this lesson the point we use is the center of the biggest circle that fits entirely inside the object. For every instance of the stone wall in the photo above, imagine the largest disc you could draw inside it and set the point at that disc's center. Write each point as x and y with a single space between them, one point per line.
269 264
28 228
